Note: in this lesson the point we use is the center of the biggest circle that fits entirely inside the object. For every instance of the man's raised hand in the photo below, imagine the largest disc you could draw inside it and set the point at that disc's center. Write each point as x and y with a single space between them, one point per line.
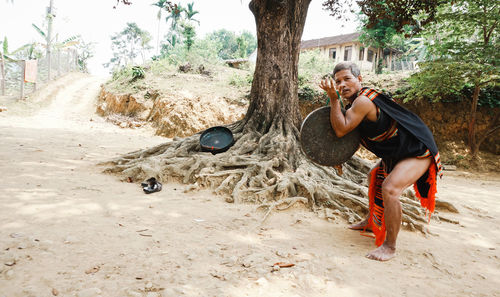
329 87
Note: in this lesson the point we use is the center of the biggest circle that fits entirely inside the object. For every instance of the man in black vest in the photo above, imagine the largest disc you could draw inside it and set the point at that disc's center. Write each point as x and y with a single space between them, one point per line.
397 136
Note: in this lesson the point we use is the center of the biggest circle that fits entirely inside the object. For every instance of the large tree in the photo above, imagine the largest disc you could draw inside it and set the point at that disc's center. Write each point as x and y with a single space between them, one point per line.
266 162
127 45
464 50
161 4
380 36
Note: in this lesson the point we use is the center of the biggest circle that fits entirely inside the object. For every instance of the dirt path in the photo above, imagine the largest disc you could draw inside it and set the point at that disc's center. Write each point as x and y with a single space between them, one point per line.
68 230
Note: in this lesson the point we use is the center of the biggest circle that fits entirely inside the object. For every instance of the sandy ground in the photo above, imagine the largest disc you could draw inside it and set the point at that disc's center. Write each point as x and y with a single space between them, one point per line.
66 229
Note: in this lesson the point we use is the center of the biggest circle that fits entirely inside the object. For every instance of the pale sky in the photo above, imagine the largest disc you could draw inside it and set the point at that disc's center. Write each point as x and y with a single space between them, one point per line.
96 21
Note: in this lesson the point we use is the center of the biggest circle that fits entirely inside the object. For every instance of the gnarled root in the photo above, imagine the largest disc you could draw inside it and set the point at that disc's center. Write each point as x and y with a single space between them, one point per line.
262 169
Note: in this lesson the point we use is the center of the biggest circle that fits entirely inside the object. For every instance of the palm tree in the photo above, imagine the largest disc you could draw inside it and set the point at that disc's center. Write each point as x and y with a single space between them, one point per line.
190 12
161 4
175 16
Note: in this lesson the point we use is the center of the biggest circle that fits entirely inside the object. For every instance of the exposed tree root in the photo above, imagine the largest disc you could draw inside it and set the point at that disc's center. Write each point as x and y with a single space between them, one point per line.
264 169
281 205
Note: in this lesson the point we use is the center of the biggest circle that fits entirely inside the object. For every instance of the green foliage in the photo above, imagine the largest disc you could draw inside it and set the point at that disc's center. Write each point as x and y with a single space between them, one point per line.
127 45
242 46
241 81
247 43
382 34
5 45
312 63
307 93
232 46
303 80
312 67
218 45
85 51
489 96
122 74
466 54
188 33
189 13
162 66
40 31
438 80
226 43
202 52
401 13
174 34
29 51
137 73
175 17
182 28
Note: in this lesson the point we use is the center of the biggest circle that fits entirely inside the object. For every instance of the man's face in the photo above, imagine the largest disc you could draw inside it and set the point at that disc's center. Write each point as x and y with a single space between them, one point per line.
347 84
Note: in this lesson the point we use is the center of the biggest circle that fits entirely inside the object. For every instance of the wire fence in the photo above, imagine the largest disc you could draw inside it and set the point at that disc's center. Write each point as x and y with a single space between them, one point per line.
402 65
15 83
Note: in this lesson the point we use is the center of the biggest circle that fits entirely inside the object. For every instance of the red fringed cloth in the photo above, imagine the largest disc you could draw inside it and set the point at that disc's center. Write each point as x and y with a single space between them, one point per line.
425 189
397 134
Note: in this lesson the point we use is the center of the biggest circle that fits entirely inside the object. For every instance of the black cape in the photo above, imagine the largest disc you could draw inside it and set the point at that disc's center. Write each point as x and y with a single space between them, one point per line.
406 119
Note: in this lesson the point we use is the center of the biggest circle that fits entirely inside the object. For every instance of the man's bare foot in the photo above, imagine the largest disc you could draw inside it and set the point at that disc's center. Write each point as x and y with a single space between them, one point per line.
360 226
382 253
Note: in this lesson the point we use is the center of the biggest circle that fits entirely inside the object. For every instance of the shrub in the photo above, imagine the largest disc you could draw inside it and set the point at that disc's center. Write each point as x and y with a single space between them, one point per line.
137 73
241 81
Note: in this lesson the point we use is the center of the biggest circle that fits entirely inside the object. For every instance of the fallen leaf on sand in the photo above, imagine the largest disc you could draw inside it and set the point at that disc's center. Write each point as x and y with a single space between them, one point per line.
283 265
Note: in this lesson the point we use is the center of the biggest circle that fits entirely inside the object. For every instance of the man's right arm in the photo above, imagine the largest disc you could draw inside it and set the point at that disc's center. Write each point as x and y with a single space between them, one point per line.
343 124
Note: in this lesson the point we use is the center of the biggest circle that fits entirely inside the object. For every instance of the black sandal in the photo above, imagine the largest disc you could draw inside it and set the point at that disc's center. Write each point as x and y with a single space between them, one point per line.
151 186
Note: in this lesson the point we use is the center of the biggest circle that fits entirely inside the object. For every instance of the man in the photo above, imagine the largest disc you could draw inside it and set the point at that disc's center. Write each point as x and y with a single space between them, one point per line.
397 136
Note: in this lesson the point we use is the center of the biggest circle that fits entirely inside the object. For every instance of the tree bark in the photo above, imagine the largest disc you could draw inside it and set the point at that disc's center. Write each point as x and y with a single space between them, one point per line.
273 96
472 123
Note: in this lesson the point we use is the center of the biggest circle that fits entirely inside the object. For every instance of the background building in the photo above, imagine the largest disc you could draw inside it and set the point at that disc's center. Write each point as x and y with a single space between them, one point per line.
348 48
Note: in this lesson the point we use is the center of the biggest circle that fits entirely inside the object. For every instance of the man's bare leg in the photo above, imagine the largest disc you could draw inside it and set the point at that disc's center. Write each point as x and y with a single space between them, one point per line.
404 174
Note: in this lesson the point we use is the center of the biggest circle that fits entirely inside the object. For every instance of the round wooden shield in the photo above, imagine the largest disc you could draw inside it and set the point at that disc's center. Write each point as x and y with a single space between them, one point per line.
319 142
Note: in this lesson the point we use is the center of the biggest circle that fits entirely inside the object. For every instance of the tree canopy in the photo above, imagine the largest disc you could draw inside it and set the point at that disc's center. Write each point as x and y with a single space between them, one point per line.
401 13
127 45
463 52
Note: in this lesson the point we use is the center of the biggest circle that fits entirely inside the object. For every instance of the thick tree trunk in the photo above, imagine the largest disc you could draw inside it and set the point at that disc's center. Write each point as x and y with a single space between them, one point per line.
273 96
474 147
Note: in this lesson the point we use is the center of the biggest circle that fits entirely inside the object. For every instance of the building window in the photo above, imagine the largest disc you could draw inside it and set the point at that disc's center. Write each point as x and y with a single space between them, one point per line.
361 53
370 56
333 53
348 53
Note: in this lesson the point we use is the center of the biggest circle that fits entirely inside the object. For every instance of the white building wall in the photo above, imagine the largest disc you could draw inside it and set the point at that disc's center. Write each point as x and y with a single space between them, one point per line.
364 64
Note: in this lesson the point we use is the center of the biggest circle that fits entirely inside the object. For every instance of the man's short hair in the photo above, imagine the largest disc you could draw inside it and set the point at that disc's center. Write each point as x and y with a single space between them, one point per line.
347 66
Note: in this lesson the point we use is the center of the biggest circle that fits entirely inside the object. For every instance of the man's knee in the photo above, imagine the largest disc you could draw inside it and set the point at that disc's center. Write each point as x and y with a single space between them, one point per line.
390 191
